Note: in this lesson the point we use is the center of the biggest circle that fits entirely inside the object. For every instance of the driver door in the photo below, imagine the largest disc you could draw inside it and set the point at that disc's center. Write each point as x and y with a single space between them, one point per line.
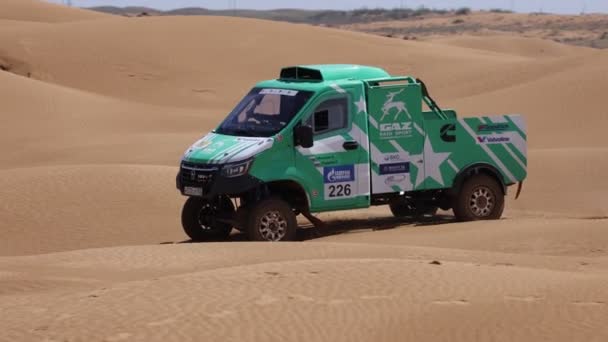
337 161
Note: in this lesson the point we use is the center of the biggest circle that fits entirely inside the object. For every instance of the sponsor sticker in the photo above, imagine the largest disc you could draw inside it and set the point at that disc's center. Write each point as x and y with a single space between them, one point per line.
493 127
396 168
339 174
285 92
393 157
247 139
395 180
202 144
487 139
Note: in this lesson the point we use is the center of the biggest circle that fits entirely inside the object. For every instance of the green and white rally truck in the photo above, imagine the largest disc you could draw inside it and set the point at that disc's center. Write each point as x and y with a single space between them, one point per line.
339 137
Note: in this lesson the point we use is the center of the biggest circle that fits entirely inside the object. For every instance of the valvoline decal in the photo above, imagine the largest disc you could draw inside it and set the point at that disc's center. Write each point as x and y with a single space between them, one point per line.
339 174
493 139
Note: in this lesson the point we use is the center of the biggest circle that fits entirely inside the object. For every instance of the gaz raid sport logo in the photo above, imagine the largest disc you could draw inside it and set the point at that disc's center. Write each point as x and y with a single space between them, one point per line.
399 123
392 104
339 174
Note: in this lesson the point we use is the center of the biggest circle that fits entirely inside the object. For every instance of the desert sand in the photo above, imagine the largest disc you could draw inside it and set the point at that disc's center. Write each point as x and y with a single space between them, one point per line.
97 110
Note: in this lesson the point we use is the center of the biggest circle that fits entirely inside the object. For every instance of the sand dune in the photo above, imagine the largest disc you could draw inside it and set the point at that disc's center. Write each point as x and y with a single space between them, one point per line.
42 11
96 111
73 207
44 124
562 106
139 59
306 291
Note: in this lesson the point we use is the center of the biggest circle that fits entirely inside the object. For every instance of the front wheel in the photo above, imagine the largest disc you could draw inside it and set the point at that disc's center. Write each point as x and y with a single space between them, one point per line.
272 220
481 198
201 218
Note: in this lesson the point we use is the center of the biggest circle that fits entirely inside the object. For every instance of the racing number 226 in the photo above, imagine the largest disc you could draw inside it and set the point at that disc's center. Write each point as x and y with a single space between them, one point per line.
339 190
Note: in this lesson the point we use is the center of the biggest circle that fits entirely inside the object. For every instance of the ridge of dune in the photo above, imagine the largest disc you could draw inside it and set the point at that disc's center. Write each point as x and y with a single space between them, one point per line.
174 74
43 123
563 108
43 11
513 45
186 72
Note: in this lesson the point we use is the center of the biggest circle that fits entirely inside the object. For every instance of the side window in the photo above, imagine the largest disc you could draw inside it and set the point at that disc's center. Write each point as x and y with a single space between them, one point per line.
329 116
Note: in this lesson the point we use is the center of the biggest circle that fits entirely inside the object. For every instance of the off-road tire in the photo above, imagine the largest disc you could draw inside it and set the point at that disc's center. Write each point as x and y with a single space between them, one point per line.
199 219
404 209
480 198
272 220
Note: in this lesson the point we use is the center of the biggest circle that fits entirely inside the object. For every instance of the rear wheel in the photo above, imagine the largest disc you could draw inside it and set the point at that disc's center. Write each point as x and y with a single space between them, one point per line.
403 208
481 198
201 218
272 220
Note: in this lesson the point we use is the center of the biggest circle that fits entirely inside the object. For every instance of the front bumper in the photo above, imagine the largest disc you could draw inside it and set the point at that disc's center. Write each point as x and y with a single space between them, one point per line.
210 179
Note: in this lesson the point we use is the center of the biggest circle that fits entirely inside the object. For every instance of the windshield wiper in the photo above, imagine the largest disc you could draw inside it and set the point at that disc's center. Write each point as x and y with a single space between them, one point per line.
245 132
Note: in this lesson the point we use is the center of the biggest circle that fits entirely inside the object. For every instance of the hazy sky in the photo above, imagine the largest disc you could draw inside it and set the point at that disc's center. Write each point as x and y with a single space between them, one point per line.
556 6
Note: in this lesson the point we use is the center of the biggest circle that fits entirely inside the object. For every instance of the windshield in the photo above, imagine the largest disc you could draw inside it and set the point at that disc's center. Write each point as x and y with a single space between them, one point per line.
264 112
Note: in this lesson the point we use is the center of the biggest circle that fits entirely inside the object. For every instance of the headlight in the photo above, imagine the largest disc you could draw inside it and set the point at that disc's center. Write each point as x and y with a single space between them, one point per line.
236 169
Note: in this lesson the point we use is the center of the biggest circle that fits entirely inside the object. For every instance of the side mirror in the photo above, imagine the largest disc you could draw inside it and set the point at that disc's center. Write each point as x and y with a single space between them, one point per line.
303 136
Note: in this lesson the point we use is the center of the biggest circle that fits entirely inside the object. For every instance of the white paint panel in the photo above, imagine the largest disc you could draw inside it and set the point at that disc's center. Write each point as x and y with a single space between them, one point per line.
520 122
453 166
498 119
373 122
331 144
253 150
382 184
363 179
338 89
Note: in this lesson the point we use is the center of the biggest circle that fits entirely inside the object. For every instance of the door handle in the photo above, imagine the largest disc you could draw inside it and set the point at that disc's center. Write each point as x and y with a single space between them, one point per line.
350 145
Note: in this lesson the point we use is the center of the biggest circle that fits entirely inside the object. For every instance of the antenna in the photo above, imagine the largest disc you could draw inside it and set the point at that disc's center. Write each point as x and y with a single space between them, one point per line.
232 6
512 5
584 7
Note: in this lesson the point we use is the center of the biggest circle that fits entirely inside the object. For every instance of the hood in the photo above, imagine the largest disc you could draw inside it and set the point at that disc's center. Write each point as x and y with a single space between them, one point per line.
221 149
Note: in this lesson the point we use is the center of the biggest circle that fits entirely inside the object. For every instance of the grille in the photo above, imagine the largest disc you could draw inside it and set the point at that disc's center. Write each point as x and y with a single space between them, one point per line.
198 174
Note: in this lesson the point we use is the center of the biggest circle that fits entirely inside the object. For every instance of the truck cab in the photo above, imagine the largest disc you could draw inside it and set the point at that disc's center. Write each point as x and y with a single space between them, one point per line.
338 137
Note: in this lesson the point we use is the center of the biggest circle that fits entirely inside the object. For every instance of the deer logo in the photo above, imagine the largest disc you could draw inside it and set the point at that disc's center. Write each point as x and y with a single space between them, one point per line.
392 104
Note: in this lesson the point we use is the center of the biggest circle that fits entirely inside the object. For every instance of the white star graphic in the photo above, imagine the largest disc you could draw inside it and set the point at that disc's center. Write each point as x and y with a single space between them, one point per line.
432 163
361 106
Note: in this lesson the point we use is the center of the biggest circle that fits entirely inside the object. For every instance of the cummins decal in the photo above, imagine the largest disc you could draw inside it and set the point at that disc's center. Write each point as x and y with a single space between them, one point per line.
448 133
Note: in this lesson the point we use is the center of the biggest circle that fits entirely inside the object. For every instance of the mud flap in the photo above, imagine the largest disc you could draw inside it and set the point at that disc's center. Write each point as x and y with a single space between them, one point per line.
316 222
519 187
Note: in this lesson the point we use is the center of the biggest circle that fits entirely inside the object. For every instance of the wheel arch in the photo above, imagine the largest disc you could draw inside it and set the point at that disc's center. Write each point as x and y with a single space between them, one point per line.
476 169
292 192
